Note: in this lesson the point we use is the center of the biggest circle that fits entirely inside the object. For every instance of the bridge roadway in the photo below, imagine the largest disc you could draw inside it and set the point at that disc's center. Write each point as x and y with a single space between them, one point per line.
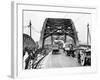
58 61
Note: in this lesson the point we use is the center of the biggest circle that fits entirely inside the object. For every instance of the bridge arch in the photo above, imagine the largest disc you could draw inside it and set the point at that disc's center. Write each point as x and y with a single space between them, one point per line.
58 26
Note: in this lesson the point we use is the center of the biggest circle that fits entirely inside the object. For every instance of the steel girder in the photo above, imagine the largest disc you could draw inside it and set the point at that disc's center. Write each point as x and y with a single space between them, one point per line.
58 26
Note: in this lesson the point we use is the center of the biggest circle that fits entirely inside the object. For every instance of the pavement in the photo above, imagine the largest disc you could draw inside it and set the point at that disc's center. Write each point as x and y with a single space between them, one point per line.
58 61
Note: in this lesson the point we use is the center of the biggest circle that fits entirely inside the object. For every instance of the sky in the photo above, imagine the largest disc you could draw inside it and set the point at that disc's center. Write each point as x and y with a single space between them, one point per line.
38 17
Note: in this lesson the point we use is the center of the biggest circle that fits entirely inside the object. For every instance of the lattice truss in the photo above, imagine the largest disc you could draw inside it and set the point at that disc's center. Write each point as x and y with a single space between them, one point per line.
58 26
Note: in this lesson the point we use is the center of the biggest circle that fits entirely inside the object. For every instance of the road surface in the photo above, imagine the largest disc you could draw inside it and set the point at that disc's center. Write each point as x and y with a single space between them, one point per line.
58 61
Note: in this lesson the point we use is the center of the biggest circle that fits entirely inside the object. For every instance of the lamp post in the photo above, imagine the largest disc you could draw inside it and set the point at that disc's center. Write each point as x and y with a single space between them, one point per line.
30 25
87 33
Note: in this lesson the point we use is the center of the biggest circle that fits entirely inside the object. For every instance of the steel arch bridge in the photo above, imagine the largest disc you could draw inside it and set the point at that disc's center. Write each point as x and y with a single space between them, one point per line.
58 26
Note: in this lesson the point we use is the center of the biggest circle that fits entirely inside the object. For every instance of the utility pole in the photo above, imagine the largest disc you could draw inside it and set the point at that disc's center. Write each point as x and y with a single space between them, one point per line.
30 25
88 34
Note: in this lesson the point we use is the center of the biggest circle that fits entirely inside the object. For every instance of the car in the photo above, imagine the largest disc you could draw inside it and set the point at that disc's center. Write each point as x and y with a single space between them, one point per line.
84 56
70 50
88 57
55 51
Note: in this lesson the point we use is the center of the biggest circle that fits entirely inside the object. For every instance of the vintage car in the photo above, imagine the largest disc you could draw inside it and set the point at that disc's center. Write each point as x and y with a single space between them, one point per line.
55 49
69 50
84 56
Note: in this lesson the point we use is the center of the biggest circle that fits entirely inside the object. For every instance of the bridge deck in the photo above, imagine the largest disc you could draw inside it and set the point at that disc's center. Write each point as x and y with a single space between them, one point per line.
58 61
